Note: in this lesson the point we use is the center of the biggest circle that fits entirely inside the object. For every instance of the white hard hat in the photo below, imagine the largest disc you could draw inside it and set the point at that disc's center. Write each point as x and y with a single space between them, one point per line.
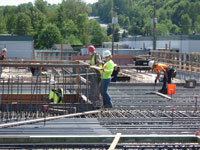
106 53
52 82
4 49
151 63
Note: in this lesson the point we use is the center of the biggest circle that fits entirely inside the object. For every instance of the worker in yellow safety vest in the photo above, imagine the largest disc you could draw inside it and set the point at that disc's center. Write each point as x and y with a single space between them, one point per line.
95 57
107 71
158 68
56 95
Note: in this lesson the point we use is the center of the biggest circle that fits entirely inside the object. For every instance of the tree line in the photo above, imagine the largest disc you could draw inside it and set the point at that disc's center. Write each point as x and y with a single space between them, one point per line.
65 23
134 16
68 22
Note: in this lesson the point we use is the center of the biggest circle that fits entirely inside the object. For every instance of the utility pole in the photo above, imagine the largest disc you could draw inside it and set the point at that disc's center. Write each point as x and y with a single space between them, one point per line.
154 26
113 30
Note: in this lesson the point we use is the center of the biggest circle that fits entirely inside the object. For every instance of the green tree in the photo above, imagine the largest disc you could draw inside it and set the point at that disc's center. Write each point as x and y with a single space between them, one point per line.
70 10
41 5
23 26
82 24
73 40
38 19
126 23
2 25
11 22
97 33
68 28
185 24
49 36
162 29
197 24
121 19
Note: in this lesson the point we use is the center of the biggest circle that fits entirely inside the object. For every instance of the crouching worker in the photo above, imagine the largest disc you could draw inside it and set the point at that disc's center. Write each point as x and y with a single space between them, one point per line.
115 73
158 68
107 70
56 95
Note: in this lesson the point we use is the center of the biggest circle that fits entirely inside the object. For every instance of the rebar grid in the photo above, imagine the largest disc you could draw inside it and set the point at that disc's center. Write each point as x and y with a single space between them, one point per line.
26 97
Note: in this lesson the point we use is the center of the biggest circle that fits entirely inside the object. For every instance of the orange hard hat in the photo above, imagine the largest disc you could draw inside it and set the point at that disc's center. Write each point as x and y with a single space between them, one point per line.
91 48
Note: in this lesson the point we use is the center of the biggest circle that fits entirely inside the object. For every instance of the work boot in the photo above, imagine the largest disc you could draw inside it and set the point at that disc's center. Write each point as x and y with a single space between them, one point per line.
165 91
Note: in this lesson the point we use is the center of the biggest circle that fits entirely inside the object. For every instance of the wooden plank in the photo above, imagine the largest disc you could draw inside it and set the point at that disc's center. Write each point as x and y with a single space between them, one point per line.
115 141
162 95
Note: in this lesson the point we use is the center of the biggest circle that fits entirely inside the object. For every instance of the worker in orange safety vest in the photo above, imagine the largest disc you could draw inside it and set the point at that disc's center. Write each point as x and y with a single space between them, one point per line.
158 68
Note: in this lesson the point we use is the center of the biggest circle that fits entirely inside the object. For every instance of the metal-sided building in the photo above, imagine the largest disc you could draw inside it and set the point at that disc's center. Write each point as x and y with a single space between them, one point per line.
17 46
181 43
57 52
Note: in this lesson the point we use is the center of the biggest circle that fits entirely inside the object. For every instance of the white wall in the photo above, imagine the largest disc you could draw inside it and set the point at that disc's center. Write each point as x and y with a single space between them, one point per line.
184 46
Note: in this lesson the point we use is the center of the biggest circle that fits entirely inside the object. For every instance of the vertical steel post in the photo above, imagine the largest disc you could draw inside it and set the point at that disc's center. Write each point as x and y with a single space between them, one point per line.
154 26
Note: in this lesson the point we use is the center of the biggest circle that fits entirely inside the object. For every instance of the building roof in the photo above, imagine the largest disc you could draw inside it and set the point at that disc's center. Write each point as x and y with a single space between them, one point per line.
64 46
15 38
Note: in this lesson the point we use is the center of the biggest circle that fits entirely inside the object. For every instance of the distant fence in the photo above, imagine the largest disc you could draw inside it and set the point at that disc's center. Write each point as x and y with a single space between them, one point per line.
184 61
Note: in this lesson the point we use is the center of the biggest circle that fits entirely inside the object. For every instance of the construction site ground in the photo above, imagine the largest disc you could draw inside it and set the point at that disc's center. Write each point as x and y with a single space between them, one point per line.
136 112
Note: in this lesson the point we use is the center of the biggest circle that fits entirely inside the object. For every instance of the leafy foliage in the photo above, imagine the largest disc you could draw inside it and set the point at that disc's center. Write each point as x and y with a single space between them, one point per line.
68 22
51 24
174 16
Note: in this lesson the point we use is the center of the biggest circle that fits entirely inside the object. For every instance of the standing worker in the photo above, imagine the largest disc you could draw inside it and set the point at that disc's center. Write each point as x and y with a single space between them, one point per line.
3 53
3 56
108 68
95 79
167 74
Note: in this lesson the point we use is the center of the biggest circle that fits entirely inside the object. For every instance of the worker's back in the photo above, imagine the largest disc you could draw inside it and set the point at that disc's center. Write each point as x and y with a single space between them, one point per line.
56 95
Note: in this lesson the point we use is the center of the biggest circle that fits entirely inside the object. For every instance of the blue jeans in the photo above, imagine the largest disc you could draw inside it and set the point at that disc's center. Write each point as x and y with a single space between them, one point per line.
104 91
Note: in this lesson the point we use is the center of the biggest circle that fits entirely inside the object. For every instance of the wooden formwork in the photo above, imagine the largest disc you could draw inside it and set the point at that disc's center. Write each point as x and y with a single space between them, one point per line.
34 99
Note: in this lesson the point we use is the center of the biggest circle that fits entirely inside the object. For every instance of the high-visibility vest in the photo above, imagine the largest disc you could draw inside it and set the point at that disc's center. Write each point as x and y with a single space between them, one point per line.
108 69
57 95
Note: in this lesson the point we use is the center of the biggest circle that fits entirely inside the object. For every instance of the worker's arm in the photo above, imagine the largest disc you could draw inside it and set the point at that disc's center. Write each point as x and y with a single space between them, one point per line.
98 60
158 75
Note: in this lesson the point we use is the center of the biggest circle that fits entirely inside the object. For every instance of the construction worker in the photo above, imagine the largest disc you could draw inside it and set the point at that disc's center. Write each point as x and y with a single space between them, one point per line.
167 74
95 57
56 94
3 56
107 70
3 53
115 73
95 79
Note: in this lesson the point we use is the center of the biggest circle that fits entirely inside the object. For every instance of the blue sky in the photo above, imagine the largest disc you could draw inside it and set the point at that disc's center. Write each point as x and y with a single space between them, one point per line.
17 2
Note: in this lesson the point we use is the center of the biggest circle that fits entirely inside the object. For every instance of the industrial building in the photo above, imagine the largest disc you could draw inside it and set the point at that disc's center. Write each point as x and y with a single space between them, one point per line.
179 43
17 46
